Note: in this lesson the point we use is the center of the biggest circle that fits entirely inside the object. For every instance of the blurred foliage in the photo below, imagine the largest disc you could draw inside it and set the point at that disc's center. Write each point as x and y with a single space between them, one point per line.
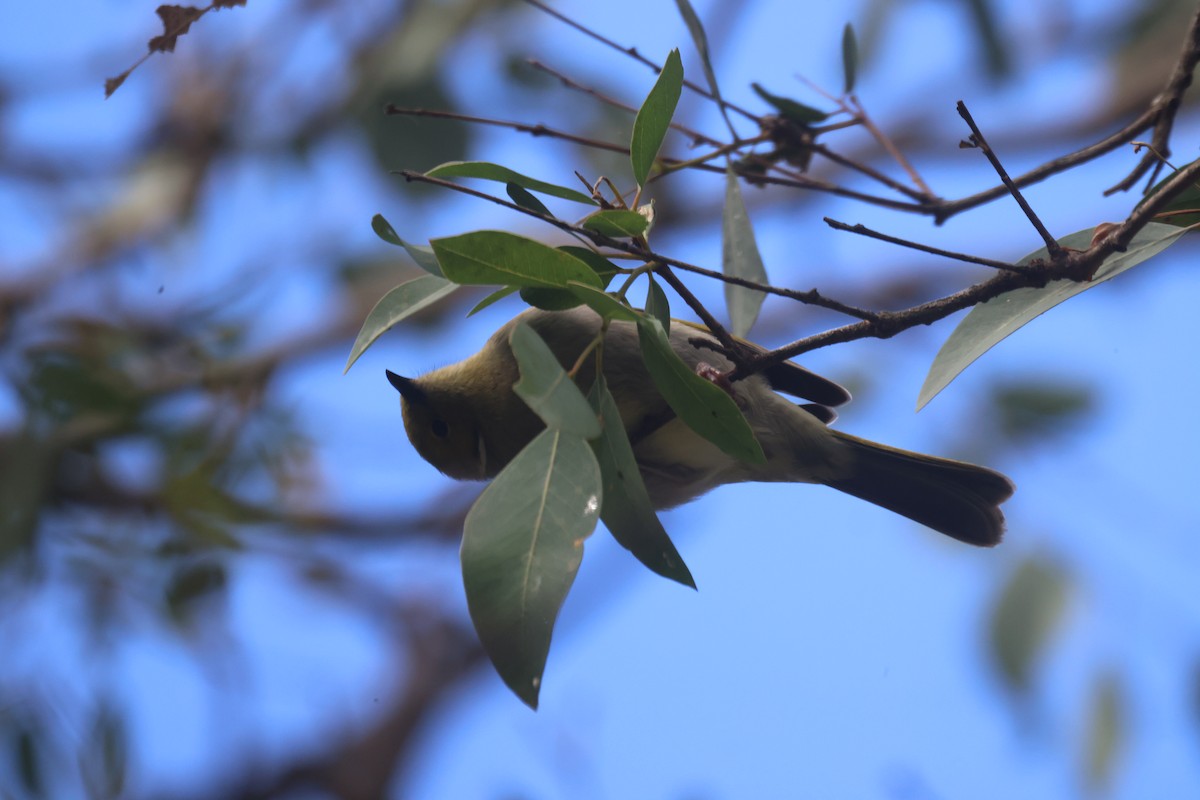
1106 732
1030 412
1025 616
408 142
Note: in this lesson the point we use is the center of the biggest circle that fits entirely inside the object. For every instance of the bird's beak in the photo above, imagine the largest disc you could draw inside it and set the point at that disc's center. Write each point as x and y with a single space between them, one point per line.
407 387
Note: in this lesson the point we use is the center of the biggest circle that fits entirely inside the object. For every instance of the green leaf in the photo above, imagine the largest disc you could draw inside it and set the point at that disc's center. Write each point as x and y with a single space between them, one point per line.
617 223
26 757
547 389
1186 201
705 407
790 109
1035 410
654 118
403 301
550 299
495 172
498 257
991 322
563 299
849 57
1106 733
603 303
700 40
384 230
522 545
1026 614
494 297
993 43
627 511
423 256
603 267
740 259
526 200
657 305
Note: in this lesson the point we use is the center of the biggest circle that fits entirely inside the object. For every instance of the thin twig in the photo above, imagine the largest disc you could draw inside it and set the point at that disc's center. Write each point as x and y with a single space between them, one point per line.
715 328
1078 265
795 182
977 139
1166 106
812 298
862 230
1159 115
595 94
533 130
870 172
1145 213
888 324
858 116
887 144
633 53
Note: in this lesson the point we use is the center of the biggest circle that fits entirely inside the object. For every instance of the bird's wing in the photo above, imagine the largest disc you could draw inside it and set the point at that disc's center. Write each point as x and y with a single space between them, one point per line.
789 377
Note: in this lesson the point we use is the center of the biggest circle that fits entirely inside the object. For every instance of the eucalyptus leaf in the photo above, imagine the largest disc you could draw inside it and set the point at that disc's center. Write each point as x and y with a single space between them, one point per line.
563 299
790 109
550 299
601 265
849 58
499 257
627 511
494 297
27 760
990 323
495 172
603 303
654 118
657 305
384 230
700 40
740 259
618 223
705 407
526 200
1106 732
405 300
547 389
423 256
1026 614
522 546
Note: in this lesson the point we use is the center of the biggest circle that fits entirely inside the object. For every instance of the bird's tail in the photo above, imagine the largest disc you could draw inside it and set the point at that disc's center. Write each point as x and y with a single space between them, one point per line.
958 499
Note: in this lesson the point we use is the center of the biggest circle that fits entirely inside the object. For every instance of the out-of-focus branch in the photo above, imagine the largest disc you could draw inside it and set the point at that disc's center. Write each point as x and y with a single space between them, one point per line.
437 653
633 53
1165 107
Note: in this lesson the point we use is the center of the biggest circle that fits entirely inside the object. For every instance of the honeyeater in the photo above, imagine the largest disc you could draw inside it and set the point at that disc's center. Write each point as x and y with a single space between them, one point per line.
466 420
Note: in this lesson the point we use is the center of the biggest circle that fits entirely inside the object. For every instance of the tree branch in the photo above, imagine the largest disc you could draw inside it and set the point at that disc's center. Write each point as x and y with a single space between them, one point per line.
978 140
1165 107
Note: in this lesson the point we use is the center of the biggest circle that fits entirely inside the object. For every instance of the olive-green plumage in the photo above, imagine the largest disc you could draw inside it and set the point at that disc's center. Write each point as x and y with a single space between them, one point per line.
466 420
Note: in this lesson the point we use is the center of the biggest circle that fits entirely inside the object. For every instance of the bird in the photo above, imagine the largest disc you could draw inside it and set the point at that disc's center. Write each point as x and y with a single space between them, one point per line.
466 420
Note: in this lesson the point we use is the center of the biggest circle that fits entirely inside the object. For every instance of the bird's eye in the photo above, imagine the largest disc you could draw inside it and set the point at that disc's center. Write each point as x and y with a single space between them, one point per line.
439 428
